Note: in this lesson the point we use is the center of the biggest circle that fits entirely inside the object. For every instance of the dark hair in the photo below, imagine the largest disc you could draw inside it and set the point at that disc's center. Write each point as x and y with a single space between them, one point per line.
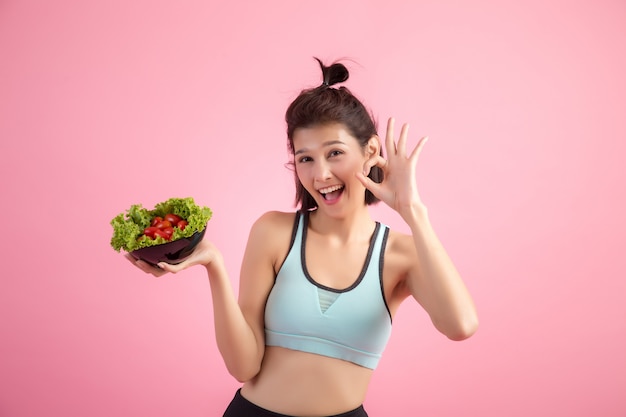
323 105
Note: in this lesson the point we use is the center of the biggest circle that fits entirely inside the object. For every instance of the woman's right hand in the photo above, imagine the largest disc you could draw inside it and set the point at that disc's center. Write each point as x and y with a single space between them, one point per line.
205 254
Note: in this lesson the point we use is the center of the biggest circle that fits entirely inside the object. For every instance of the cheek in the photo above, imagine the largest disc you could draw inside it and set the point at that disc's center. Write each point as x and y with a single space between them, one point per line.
356 165
301 173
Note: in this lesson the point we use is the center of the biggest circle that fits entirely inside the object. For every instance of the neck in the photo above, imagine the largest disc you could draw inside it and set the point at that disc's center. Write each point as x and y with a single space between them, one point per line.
357 225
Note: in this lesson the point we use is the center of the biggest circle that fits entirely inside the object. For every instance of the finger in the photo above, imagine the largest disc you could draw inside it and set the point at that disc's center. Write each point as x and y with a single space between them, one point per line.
173 268
418 149
144 266
376 160
402 141
368 183
390 143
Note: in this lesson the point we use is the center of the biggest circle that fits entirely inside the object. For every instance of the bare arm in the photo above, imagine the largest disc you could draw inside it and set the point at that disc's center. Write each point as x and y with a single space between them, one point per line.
436 284
239 324
432 279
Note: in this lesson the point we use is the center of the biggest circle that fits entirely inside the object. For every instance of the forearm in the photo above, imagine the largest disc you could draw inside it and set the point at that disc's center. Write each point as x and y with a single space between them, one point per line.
236 341
437 283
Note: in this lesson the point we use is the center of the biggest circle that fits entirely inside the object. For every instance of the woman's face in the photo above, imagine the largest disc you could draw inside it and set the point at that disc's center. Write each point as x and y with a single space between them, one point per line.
326 158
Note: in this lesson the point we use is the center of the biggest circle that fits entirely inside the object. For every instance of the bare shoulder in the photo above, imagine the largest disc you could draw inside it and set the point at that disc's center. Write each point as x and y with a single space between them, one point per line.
273 226
271 233
401 245
273 220
268 244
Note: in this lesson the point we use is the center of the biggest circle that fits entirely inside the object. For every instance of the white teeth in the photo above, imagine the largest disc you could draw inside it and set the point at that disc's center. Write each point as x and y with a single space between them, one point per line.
330 189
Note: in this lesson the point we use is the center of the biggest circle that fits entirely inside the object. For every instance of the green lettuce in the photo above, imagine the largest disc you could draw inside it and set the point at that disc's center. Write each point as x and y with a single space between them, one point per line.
128 227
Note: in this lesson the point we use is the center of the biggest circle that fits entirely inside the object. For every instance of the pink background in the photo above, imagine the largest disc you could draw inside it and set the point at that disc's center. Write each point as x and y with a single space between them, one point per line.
108 104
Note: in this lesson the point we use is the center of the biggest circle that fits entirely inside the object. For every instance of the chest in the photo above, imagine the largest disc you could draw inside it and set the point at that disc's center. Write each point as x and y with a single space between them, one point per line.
332 264
336 280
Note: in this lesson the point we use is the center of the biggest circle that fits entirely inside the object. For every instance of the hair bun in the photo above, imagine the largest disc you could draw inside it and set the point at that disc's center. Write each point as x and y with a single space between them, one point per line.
335 74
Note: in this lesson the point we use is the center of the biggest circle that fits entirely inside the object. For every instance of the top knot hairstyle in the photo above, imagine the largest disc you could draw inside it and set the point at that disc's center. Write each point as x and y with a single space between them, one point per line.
335 74
326 104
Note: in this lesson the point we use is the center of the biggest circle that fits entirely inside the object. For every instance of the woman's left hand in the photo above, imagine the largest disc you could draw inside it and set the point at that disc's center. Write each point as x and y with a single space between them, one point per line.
399 186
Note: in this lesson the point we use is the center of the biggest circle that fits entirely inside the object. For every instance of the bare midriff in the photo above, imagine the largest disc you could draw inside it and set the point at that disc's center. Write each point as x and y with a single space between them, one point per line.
304 384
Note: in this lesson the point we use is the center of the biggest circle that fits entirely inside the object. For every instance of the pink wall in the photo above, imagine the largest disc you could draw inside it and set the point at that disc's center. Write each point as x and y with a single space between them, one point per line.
107 104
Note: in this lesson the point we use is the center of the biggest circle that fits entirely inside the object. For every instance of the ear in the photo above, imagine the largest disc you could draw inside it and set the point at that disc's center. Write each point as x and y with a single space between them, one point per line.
373 146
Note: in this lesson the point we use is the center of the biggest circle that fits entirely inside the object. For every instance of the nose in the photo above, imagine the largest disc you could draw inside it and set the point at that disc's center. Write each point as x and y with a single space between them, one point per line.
321 171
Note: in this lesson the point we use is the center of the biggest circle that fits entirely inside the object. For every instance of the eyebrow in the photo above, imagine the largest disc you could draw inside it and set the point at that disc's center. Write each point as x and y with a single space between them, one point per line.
325 144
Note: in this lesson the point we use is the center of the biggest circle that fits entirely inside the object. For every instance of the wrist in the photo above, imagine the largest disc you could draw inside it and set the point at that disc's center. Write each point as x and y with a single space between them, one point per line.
415 214
215 265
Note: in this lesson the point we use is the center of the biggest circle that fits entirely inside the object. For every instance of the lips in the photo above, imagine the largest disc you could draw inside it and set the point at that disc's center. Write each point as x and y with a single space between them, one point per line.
331 193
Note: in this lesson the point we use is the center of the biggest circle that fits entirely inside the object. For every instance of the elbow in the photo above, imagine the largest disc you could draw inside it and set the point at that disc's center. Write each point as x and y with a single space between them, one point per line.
241 365
242 370
458 329
463 330
241 378
243 374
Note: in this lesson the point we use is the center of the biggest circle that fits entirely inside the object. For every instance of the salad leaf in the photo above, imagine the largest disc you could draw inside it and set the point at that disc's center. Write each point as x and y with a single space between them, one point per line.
128 227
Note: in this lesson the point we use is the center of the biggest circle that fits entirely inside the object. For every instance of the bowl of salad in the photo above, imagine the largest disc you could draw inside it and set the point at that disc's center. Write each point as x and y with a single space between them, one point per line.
167 233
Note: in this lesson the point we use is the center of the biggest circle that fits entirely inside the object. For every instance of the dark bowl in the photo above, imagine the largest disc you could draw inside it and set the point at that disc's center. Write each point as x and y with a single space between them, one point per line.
171 252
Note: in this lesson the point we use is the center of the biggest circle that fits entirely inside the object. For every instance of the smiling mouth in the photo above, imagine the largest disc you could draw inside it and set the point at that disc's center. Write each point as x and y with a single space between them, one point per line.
331 193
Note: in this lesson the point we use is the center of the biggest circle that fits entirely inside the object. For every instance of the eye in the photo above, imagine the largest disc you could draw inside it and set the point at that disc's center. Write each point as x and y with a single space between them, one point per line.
304 159
335 153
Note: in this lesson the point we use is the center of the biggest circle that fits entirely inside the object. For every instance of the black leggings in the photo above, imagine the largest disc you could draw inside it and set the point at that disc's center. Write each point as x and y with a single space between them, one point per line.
240 407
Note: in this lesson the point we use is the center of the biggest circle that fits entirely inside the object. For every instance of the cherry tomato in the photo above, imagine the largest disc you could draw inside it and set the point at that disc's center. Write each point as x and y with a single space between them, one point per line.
150 231
156 220
172 218
169 231
181 224
161 232
163 224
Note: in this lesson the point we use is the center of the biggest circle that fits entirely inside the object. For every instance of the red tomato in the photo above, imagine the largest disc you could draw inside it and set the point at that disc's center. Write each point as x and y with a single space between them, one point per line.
150 231
169 231
156 220
172 218
161 232
181 224
163 224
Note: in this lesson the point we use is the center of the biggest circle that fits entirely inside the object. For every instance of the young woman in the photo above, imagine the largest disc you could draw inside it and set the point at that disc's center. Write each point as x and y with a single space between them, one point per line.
319 287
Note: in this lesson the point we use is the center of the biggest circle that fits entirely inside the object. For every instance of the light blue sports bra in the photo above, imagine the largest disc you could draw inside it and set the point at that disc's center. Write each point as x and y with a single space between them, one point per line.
353 324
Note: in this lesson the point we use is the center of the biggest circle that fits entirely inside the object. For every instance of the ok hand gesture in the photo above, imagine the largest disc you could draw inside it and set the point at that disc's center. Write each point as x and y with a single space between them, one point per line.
399 186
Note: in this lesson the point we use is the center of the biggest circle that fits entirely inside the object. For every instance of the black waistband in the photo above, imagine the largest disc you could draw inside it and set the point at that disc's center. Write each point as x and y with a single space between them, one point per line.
241 407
